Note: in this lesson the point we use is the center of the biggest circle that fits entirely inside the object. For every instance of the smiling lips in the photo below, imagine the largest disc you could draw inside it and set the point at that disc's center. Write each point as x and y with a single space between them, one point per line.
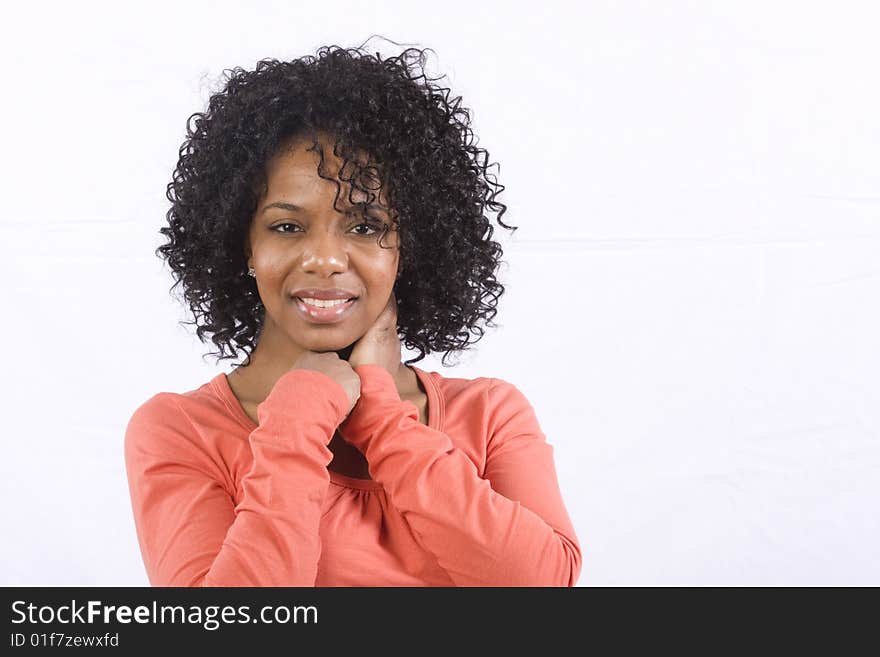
323 293
324 311
323 305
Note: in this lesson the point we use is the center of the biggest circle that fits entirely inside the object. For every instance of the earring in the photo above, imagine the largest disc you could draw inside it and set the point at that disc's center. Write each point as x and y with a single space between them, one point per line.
252 272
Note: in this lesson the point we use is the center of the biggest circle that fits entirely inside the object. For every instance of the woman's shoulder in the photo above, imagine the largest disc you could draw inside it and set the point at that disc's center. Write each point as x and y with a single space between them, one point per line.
489 396
453 386
166 403
483 414
181 414
184 432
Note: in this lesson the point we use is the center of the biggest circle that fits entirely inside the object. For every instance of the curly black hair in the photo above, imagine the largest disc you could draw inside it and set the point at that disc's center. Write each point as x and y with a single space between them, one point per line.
417 138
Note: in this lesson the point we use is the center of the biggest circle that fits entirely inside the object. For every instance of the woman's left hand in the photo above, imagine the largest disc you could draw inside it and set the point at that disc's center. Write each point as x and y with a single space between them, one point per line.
380 344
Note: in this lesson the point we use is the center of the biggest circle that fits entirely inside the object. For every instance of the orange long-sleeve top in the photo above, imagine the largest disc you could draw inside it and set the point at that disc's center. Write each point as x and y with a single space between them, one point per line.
471 499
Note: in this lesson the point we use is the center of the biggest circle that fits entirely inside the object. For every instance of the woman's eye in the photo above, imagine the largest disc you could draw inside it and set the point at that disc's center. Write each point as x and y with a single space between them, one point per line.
373 227
362 229
275 228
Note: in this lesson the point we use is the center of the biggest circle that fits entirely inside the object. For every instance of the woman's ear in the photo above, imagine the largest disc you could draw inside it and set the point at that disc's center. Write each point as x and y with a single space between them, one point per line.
246 251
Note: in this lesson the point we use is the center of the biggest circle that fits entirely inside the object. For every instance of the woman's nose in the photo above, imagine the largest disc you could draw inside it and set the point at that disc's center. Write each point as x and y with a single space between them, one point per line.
324 253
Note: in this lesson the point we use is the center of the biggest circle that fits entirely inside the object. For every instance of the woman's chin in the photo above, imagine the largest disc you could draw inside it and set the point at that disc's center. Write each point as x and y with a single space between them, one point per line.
343 349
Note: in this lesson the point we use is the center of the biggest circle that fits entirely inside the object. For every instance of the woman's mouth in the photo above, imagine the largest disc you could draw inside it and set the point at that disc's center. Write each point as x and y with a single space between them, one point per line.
321 311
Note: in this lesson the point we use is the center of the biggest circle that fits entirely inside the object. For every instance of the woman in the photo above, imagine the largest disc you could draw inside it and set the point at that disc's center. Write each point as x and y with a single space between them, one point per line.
321 208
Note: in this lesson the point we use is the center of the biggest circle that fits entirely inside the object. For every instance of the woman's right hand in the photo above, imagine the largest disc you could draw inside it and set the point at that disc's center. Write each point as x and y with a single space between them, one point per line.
337 369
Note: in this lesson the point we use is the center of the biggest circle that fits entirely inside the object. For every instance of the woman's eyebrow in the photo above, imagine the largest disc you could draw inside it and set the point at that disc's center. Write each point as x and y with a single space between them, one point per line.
293 207
283 205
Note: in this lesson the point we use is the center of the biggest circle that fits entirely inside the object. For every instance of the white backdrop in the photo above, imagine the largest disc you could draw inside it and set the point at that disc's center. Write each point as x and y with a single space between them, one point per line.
692 303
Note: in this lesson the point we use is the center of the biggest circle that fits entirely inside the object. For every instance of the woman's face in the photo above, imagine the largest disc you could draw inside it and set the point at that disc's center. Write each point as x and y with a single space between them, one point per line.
298 240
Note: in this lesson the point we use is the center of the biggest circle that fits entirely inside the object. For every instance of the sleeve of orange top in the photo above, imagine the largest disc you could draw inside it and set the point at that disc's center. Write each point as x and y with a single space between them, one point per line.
189 529
510 528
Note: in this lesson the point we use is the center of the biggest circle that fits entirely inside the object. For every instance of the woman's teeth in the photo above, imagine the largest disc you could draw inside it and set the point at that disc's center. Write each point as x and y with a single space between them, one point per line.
325 303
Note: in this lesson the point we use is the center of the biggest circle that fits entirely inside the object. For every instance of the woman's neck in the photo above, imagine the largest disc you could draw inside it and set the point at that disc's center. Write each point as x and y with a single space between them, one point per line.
254 382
